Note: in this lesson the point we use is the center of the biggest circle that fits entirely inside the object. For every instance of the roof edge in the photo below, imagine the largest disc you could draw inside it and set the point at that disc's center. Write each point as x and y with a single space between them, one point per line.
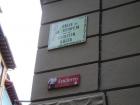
6 51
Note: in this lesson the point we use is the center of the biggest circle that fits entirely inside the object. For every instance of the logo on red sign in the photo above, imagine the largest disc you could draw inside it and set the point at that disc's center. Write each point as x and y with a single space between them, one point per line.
64 82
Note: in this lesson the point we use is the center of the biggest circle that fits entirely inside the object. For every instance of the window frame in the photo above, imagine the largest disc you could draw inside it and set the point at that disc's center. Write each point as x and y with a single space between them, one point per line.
1 75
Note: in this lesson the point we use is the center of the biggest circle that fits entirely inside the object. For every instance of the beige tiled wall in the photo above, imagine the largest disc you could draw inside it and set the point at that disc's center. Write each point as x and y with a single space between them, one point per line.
108 61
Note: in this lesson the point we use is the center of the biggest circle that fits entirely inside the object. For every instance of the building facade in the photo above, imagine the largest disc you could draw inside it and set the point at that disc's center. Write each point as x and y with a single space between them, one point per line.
8 94
106 61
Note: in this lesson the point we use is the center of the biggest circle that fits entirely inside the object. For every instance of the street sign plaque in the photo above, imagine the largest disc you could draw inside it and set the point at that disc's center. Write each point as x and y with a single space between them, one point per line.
67 32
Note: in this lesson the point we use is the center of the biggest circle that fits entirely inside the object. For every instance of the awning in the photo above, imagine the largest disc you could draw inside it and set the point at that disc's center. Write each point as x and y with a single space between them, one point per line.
12 93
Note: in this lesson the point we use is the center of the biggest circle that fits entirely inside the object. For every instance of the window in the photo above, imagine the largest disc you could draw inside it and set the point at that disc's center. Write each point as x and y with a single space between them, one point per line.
5 98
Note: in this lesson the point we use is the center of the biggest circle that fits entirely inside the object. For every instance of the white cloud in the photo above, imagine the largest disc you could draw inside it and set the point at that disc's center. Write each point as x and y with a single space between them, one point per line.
21 22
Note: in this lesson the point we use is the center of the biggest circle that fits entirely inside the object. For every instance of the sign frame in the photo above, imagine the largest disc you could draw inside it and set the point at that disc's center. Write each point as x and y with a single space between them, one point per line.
67 32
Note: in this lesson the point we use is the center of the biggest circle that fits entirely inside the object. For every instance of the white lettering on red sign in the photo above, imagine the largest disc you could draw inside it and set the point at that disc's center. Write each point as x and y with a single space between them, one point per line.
63 82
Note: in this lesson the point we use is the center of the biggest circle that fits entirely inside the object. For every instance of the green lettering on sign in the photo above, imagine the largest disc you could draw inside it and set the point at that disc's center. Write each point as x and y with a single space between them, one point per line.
67 32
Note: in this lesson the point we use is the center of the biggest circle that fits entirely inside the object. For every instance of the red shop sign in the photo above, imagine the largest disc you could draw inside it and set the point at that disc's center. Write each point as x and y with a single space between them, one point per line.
64 82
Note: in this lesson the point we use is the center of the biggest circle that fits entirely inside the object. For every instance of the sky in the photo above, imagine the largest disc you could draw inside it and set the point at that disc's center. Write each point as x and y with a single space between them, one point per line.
20 21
